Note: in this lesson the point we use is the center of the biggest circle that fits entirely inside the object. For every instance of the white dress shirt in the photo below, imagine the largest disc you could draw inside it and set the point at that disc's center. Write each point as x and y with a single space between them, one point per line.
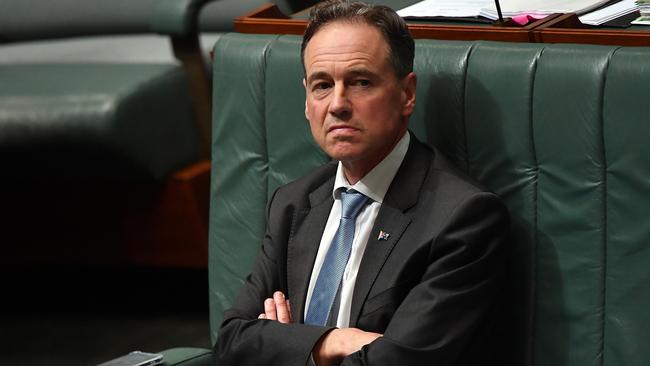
374 185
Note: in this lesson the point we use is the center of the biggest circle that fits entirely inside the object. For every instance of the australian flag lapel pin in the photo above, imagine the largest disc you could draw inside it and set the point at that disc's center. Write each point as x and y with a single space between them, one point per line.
383 235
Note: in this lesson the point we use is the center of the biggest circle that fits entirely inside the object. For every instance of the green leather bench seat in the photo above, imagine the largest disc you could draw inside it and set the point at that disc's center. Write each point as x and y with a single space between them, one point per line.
186 357
115 120
139 48
88 90
559 131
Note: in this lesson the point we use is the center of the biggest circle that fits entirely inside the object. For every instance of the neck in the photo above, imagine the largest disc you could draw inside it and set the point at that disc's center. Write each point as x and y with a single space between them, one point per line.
354 172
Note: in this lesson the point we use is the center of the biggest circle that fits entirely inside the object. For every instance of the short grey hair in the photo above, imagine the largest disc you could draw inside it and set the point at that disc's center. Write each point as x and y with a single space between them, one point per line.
392 26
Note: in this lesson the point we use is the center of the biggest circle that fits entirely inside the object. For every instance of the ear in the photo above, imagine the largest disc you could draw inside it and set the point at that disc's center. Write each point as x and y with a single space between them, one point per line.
304 84
408 83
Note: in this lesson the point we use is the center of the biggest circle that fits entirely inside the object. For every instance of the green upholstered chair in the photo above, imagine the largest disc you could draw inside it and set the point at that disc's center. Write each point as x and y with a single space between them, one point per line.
96 63
559 131
105 128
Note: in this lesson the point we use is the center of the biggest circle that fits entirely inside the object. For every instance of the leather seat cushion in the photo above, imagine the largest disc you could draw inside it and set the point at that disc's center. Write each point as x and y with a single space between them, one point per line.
120 121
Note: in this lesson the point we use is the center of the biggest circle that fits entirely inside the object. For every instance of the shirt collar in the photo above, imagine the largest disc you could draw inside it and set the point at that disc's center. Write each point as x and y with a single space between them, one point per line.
375 184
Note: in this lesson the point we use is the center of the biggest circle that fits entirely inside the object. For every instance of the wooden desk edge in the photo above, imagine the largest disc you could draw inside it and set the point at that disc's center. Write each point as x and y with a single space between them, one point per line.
568 29
265 20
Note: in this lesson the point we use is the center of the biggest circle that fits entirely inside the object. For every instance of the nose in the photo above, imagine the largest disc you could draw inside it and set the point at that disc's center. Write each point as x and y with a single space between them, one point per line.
340 106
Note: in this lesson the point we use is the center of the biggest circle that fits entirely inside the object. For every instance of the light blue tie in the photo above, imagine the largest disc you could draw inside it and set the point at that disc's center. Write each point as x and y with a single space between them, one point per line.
336 259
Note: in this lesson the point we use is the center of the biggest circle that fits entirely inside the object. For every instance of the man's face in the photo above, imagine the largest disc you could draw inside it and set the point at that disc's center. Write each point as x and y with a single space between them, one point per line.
356 106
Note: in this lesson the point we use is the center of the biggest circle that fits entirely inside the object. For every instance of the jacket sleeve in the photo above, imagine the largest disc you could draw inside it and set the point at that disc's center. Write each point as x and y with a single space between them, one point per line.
448 316
243 338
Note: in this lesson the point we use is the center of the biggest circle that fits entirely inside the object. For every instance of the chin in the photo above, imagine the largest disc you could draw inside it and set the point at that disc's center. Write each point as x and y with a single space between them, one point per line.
338 154
337 148
344 155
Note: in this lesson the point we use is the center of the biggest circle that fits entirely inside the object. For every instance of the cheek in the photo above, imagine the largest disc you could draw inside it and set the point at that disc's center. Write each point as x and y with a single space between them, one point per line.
315 129
315 125
382 107
309 108
314 113
393 106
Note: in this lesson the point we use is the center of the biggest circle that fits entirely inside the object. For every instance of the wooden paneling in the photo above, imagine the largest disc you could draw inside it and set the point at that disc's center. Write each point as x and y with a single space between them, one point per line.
568 29
556 28
268 19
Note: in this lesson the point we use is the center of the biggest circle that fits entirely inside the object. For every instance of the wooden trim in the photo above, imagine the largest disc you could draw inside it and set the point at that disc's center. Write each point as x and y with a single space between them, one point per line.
188 51
270 26
268 19
110 223
569 29
555 28
565 21
172 230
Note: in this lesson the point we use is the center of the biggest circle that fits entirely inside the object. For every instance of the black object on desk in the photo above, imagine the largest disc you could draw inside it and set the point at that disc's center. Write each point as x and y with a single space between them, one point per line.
499 13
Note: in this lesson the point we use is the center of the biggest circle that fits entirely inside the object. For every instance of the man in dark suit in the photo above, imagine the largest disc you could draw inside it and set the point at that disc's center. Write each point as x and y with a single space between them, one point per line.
389 255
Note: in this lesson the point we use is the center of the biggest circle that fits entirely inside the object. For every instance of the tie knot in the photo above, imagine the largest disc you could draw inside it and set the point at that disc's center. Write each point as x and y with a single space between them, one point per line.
351 204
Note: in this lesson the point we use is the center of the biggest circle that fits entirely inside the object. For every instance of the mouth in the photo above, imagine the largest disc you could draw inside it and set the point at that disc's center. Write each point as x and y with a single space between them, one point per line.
342 127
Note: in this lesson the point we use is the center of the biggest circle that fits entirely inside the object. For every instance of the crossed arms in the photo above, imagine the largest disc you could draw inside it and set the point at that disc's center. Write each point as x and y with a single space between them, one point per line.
441 314
333 346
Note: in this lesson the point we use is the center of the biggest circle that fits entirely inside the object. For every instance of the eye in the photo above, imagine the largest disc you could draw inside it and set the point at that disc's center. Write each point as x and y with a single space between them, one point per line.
320 86
361 82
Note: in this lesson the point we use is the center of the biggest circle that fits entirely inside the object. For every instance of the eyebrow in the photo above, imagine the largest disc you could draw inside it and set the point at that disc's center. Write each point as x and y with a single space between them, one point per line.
317 75
360 72
355 72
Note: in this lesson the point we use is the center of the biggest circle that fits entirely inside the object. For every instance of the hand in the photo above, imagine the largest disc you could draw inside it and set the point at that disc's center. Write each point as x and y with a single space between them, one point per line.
338 343
277 308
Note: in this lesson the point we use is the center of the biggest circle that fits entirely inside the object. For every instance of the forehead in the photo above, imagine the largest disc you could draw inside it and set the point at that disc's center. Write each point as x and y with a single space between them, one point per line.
347 41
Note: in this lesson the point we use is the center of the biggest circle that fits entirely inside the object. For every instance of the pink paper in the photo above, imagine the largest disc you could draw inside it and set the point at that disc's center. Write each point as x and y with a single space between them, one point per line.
523 19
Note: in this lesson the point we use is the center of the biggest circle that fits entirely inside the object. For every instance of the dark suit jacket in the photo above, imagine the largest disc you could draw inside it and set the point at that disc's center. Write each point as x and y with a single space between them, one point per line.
432 288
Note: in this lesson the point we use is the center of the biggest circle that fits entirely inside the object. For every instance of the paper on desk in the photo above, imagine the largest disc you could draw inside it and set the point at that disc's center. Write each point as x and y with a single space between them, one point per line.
512 8
444 8
644 9
641 21
608 13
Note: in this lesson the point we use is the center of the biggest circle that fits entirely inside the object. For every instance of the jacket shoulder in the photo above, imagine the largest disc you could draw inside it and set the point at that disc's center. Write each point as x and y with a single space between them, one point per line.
449 188
298 191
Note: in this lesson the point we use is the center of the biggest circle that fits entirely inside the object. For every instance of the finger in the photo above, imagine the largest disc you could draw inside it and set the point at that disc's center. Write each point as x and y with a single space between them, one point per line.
269 309
281 307
262 316
289 308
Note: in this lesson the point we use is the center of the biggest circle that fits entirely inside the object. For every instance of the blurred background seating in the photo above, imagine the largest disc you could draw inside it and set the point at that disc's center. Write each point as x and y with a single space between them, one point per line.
104 174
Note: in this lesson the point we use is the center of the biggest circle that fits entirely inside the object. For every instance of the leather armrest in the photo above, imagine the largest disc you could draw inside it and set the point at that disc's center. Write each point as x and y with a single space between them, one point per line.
187 357
176 17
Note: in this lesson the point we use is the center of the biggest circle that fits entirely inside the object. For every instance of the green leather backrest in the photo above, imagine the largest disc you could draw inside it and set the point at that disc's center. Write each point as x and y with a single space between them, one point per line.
22 20
557 130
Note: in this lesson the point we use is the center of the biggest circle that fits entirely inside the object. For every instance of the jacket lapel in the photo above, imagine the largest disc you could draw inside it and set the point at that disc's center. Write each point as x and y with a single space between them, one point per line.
393 222
307 226
393 219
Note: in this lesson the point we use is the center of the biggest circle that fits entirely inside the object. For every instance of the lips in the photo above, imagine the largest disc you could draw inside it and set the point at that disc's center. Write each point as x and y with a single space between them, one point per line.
342 128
